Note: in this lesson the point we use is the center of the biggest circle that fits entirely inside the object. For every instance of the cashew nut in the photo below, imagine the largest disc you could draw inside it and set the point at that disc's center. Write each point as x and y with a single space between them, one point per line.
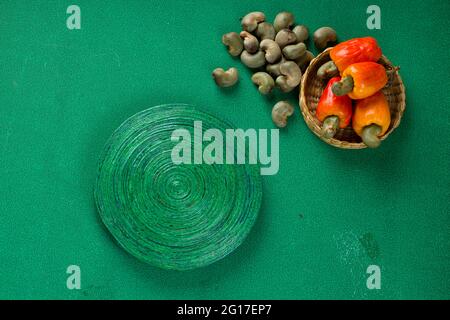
253 61
324 37
272 50
327 70
290 77
301 32
264 82
285 37
294 51
265 30
292 72
303 61
283 20
234 43
250 21
280 113
225 78
274 69
282 85
251 43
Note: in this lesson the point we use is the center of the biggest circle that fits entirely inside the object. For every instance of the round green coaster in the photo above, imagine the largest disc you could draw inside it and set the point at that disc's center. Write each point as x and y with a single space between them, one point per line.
173 216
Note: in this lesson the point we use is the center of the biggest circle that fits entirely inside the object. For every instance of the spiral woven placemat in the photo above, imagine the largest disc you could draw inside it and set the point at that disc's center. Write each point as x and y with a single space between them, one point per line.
173 216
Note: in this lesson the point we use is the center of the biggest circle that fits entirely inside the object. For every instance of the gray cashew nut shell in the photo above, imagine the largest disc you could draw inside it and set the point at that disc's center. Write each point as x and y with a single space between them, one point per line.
274 69
272 50
264 82
281 82
303 61
292 72
324 37
294 51
285 37
253 61
328 70
250 21
301 32
225 78
281 112
234 43
251 43
265 30
283 20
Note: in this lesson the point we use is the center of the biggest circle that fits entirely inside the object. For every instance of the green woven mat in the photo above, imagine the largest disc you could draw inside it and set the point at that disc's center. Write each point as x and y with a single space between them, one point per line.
173 216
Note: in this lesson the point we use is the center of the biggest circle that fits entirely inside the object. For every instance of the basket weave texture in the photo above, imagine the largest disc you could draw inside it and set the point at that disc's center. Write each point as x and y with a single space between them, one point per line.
311 91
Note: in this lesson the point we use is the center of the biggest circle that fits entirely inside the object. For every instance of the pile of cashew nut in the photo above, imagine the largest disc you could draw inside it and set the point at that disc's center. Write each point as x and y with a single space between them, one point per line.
277 52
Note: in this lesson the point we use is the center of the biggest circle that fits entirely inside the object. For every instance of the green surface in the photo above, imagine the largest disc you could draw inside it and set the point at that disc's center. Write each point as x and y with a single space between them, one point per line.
325 216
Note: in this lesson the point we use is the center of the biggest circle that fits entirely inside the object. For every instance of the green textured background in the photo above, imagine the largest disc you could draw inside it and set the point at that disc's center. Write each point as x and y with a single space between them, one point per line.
326 216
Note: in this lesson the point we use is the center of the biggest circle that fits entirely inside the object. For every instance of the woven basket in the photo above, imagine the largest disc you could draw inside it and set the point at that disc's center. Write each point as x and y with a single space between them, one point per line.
312 88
